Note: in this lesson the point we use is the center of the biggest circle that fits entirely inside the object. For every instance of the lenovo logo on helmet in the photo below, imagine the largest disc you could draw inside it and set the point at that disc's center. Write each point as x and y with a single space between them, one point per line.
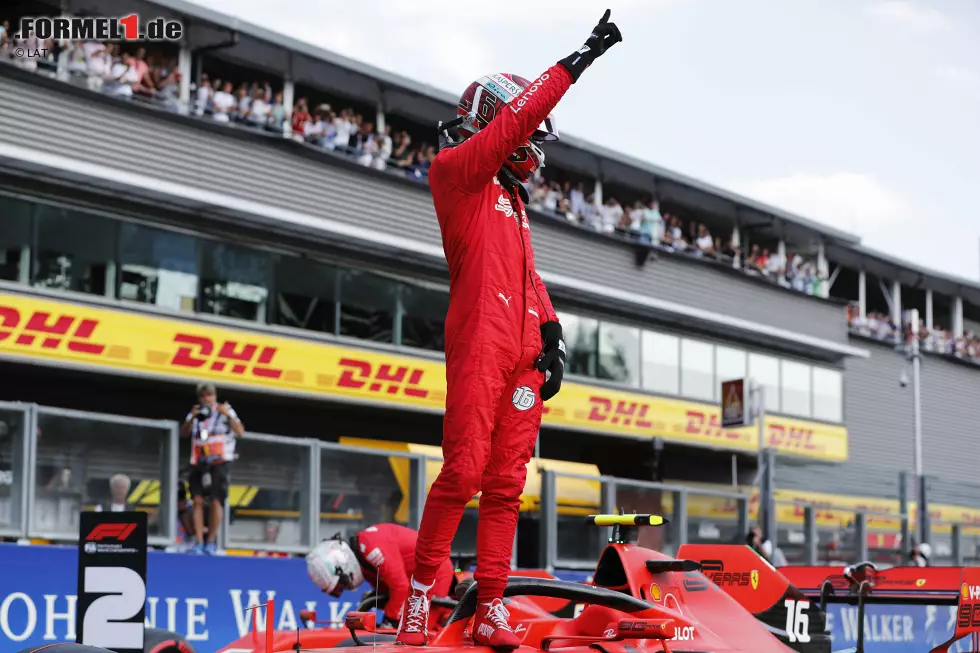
524 99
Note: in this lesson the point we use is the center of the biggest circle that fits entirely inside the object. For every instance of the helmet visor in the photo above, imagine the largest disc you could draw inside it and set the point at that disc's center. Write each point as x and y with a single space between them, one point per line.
546 132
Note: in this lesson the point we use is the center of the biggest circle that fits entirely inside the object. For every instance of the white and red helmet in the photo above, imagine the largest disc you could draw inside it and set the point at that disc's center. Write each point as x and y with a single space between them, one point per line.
333 567
484 99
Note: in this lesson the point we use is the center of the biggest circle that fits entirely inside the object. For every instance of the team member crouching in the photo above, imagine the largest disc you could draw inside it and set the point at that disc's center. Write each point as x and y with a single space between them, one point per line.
384 556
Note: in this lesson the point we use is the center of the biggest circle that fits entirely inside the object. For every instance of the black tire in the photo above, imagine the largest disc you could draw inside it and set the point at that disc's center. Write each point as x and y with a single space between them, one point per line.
367 639
64 647
164 641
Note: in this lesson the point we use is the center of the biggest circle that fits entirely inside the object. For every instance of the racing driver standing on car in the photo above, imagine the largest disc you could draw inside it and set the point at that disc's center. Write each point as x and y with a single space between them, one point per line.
504 347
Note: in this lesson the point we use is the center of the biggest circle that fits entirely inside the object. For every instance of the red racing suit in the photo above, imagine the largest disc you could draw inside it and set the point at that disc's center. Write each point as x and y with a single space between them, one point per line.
497 304
386 553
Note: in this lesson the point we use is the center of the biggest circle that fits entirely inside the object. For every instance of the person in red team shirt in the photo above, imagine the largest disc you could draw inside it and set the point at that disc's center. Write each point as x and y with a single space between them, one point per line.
384 556
504 347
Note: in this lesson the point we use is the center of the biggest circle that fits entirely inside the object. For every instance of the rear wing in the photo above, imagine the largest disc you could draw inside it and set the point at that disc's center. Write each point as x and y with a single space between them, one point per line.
863 584
898 585
770 593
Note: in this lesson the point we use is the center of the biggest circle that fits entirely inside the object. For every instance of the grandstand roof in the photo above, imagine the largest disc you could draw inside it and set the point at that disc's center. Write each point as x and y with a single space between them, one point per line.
908 274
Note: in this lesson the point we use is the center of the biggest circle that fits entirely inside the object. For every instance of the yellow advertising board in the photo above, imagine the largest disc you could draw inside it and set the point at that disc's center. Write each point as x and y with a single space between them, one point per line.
577 495
125 342
831 510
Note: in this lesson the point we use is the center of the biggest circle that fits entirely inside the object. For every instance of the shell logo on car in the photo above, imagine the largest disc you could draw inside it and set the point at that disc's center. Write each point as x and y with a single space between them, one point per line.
655 594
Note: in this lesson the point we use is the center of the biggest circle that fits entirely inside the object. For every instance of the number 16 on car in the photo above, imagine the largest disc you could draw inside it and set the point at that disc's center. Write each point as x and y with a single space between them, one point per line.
112 580
797 621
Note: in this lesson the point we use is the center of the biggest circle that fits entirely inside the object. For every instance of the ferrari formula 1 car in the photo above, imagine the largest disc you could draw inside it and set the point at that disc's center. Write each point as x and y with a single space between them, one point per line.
711 598
639 599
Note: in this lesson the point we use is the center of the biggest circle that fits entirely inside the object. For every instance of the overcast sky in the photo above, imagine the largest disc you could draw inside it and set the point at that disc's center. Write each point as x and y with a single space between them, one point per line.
862 114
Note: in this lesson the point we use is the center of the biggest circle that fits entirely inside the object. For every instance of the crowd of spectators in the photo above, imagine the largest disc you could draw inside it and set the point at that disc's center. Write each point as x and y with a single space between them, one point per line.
646 223
935 340
134 74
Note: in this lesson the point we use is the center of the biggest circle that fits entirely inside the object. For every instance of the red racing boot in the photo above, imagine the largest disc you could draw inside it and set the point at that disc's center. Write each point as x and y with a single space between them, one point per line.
490 627
413 628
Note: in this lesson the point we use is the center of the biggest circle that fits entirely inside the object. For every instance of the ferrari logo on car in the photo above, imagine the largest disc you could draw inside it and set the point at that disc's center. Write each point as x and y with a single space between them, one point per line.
754 579
920 582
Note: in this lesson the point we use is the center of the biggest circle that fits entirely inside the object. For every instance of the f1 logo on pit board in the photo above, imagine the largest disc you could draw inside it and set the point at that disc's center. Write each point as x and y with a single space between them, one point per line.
100 28
110 537
118 532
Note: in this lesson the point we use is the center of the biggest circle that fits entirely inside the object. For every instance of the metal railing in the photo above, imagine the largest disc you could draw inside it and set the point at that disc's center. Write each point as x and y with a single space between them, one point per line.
285 494
565 544
811 534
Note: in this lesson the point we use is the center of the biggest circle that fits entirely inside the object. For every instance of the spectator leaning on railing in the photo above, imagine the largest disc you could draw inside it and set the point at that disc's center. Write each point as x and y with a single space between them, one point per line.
936 340
213 429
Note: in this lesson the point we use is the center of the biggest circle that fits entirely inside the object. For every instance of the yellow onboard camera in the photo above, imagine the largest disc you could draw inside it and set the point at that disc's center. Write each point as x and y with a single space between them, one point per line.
626 527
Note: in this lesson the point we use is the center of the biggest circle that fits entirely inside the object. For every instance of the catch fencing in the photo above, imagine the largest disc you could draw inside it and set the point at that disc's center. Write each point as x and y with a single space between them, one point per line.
286 494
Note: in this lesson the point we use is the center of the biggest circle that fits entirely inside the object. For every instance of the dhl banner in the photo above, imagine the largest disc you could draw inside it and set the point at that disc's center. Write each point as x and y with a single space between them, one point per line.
125 342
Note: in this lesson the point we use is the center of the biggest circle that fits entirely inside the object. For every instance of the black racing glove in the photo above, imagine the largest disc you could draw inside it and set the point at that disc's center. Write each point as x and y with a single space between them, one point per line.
604 36
552 359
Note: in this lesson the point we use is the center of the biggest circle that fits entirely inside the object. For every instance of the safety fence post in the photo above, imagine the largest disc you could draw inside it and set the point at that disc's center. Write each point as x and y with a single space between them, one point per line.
903 507
925 530
743 516
956 544
860 537
168 483
810 539
416 488
680 519
608 499
310 496
767 497
23 468
548 536
607 504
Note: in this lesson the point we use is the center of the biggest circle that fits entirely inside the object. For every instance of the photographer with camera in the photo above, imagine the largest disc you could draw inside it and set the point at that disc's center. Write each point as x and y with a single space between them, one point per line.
212 428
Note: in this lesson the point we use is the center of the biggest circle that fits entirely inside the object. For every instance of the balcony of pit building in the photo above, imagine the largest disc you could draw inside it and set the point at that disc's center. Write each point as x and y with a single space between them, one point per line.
879 399
882 290
688 272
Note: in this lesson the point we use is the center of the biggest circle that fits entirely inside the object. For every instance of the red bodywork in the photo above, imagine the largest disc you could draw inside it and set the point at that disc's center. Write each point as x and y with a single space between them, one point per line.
331 635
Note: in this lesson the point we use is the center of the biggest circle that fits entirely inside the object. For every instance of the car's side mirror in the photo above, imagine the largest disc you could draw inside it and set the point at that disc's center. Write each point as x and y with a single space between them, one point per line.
365 621
643 628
